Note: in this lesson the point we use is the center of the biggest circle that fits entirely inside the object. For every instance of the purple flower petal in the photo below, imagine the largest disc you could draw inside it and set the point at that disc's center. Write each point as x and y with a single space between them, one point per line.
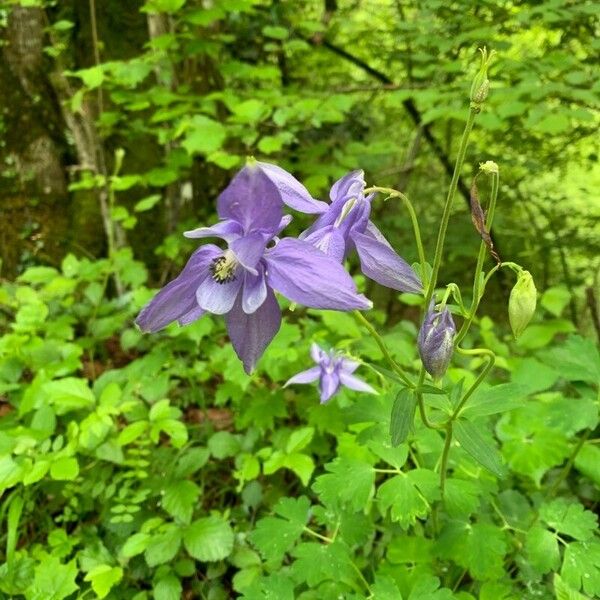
178 297
372 231
330 384
252 200
227 230
306 275
349 365
354 383
330 241
218 298
316 352
249 250
307 376
191 316
293 193
251 334
380 263
351 184
254 292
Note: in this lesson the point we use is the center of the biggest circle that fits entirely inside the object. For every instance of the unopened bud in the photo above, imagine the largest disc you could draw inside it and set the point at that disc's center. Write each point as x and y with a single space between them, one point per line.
436 341
521 304
481 84
489 167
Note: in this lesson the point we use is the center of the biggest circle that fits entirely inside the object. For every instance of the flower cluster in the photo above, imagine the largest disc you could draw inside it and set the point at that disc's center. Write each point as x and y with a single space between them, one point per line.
239 281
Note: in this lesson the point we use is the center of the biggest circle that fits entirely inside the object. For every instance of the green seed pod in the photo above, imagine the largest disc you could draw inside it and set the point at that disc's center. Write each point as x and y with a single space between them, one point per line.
480 87
521 304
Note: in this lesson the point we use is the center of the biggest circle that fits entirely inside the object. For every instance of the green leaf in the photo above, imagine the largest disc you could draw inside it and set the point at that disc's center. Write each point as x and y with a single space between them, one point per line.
542 551
204 136
321 562
569 518
403 415
92 77
68 394
564 592
53 580
273 537
461 497
588 462
163 546
581 567
348 483
147 203
163 6
223 444
179 499
277 33
555 299
577 359
135 545
167 587
208 539
103 578
493 400
299 439
482 451
401 495
64 469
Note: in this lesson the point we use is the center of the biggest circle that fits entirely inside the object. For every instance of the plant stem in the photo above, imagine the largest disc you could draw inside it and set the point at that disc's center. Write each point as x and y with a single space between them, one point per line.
491 359
569 464
379 340
439 248
445 456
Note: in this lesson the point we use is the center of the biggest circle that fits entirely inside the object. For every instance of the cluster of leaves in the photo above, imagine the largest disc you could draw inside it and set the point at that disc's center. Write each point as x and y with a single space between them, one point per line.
134 467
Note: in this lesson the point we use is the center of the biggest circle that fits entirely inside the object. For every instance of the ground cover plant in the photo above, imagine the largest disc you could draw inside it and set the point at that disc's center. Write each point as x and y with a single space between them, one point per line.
312 386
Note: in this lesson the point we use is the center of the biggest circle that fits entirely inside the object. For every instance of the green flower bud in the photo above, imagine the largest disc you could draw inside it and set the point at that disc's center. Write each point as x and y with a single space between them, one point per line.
481 84
521 304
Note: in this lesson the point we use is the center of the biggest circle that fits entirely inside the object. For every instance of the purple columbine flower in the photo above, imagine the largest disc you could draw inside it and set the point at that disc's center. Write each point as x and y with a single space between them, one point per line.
344 225
333 370
436 341
239 281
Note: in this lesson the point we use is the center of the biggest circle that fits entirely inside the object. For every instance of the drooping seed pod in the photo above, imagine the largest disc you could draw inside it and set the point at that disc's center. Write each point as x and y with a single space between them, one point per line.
521 304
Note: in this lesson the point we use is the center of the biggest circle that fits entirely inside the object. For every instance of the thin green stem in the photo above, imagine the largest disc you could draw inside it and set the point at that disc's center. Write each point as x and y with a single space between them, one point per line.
445 456
568 465
379 341
439 248
317 535
491 359
392 193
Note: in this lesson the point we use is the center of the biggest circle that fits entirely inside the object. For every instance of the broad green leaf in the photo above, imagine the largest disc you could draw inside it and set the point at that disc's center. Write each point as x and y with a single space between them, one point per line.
223 444
348 483
461 497
403 415
103 578
564 592
163 546
493 400
474 444
405 501
135 545
581 567
53 580
179 499
147 203
204 136
273 537
295 510
64 469
321 562
569 518
299 439
68 394
542 551
587 462
577 359
555 299
208 539
167 587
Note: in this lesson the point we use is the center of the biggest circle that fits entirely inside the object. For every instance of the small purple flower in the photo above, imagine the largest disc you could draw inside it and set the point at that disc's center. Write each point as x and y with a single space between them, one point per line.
333 370
239 281
344 225
436 341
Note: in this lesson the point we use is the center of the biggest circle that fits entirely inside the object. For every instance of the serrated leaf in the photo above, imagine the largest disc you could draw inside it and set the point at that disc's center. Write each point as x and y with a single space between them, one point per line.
564 592
204 136
103 578
403 415
163 546
581 567
461 497
588 462
179 499
135 545
348 483
53 580
208 539
401 496
273 537
569 518
482 451
542 551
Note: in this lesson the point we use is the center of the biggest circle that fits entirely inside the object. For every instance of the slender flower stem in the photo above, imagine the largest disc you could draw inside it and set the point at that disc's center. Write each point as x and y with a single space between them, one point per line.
569 464
392 193
491 359
317 535
478 287
439 248
379 341
445 456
